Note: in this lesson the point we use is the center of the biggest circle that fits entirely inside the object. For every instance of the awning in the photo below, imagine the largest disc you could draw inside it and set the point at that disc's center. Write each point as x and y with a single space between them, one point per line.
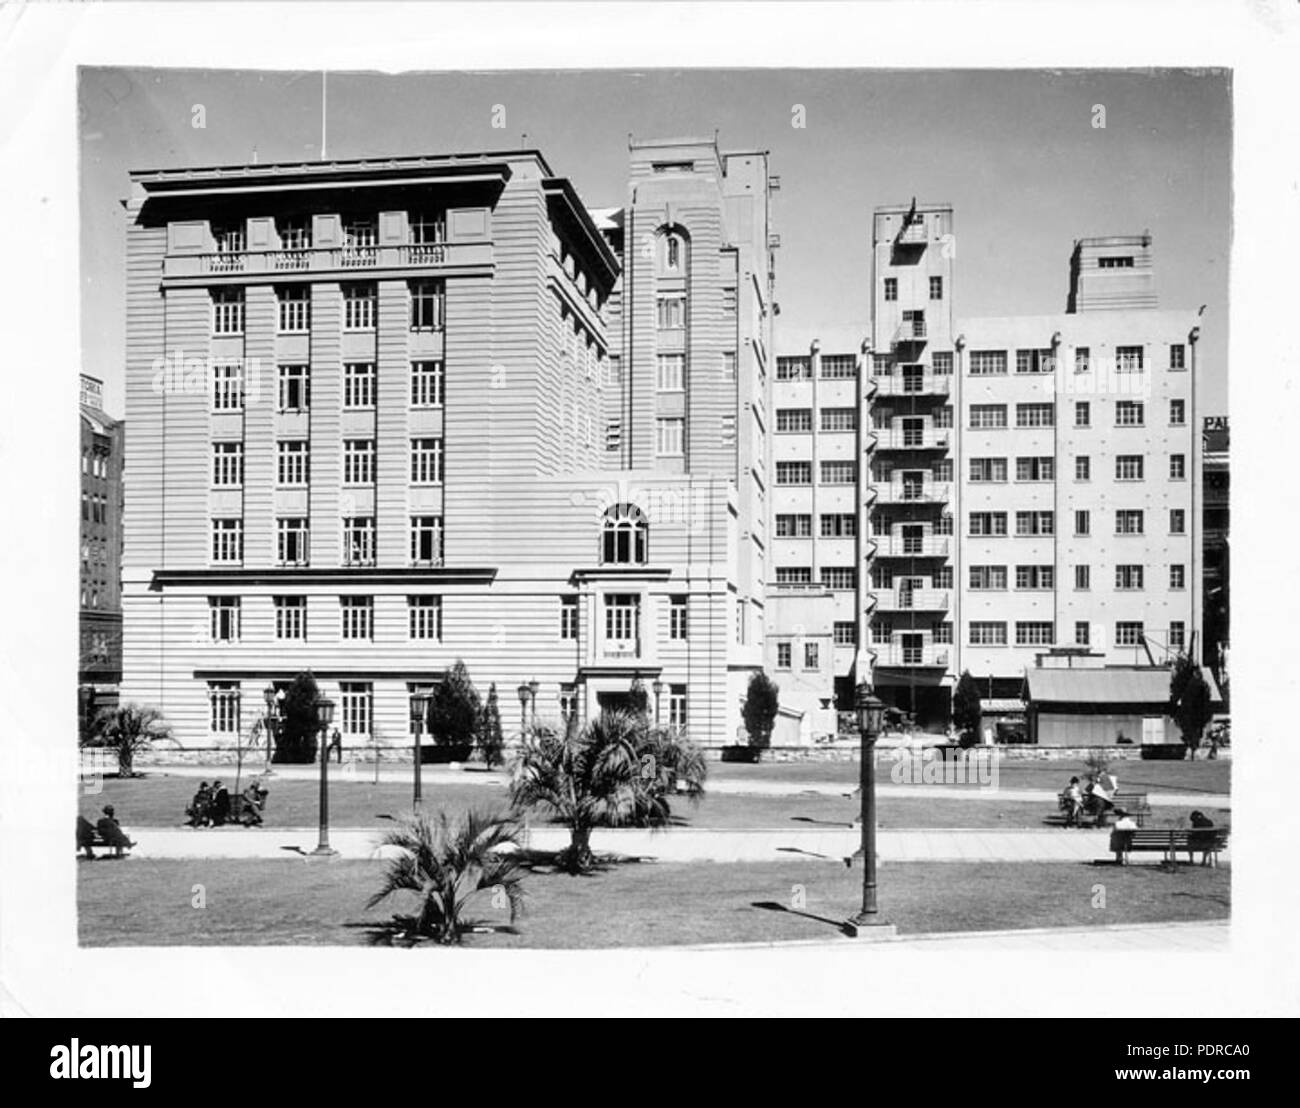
1132 685
1001 704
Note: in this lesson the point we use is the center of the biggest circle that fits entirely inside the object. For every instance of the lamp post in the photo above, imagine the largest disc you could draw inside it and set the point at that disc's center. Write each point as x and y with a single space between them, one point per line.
524 692
658 687
419 711
533 686
870 714
324 717
268 695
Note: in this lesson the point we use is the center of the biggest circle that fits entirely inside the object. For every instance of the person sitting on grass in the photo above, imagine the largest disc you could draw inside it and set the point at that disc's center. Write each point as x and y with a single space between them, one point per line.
198 811
111 831
219 812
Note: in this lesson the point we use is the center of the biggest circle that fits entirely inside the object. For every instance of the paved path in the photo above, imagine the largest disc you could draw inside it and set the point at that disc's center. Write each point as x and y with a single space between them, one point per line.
676 845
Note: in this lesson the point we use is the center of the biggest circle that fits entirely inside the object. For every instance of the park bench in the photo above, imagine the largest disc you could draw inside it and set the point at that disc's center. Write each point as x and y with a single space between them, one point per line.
1135 803
1169 842
88 837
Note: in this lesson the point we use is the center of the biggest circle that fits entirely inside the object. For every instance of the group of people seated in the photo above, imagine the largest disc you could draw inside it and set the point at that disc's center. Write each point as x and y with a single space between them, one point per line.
211 806
1095 798
108 831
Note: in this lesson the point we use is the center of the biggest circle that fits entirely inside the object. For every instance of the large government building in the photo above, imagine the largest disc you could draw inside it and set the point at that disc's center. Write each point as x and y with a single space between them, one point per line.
387 414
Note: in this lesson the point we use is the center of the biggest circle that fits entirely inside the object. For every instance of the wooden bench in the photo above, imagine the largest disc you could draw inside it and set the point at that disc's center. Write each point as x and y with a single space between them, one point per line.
1169 841
1136 804
88 837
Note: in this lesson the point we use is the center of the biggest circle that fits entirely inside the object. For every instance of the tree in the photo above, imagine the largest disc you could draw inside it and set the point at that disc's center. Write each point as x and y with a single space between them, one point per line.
455 710
128 730
299 721
1189 701
613 772
445 866
491 740
762 699
966 709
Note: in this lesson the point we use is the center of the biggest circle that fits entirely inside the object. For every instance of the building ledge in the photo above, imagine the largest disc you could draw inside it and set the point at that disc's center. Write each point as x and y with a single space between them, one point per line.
298 575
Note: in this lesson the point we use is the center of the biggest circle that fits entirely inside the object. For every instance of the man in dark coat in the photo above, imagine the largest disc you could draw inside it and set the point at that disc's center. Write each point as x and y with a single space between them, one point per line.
220 811
111 831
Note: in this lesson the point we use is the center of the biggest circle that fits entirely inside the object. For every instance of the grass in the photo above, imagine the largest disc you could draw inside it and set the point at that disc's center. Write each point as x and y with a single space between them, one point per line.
314 903
159 801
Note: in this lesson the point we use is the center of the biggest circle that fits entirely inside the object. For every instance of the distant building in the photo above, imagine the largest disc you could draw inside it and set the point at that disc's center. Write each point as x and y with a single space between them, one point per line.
1215 517
102 440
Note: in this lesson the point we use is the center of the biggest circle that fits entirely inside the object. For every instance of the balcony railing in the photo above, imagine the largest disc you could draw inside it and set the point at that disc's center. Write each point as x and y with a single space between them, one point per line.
929 384
899 546
621 648
911 600
928 438
319 259
910 330
908 492
895 654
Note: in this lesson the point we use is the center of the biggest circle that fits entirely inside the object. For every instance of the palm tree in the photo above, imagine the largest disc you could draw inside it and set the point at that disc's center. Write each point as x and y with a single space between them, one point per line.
446 865
614 772
128 730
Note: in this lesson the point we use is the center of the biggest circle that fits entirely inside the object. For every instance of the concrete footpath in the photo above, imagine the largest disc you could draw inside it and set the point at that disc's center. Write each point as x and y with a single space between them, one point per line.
674 845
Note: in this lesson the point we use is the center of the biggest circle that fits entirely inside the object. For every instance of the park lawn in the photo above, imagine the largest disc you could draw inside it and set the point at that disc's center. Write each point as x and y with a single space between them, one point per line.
139 902
159 801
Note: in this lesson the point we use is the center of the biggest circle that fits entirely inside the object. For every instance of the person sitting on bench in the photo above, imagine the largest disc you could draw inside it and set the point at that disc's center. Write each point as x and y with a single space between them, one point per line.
111 831
219 813
86 836
1072 803
1201 837
254 802
198 811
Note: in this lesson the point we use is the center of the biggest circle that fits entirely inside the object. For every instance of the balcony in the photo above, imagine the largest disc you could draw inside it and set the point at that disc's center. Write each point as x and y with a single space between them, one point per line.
910 331
911 600
895 654
327 259
926 438
929 384
900 546
913 492
912 234
614 650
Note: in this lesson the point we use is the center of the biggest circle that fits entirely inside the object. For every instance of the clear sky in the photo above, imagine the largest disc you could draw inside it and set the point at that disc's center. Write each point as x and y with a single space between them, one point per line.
1015 152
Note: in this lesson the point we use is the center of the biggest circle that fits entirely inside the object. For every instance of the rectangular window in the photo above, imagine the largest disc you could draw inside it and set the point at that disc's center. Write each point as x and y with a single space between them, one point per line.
228 540
794 419
1128 633
227 388
568 617
426 540
1034 361
1177 521
359 307
428 305
672 372
1082 359
295 388
936 288
1177 634
1177 577
229 238
839 578
290 617
839 419
1128 521
360 237
984 470
227 311
1083 578
988 633
839 525
295 233
1035 415
729 365
882 630
1081 633
941 363
1082 468
426 384
223 616
988 416
358 461
424 617
677 715
1034 523
793 526
358 540
729 300
292 463
1128 578
1035 577
988 363
1177 413
811 655
291 541
988 523
1117 261
794 473
1177 467
891 288
783 655
793 369
1036 469
671 313
1083 522
223 701
984 578
1082 413
677 609
359 385
839 367
1035 633
1177 356
1129 413
839 473
355 708
622 617
844 633
1129 467
358 614
426 461
1128 359
228 464
670 435
793 575
427 229
294 309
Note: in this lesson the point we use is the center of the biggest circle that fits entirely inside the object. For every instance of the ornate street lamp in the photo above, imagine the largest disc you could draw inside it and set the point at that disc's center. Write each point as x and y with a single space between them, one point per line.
419 713
525 691
324 717
871 714
658 687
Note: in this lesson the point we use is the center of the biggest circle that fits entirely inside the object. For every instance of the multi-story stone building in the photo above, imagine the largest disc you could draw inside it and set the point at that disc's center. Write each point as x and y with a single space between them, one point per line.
1030 481
396 412
102 437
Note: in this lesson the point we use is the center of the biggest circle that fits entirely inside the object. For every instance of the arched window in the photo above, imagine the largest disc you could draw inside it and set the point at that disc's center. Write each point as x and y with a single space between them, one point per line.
625 536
